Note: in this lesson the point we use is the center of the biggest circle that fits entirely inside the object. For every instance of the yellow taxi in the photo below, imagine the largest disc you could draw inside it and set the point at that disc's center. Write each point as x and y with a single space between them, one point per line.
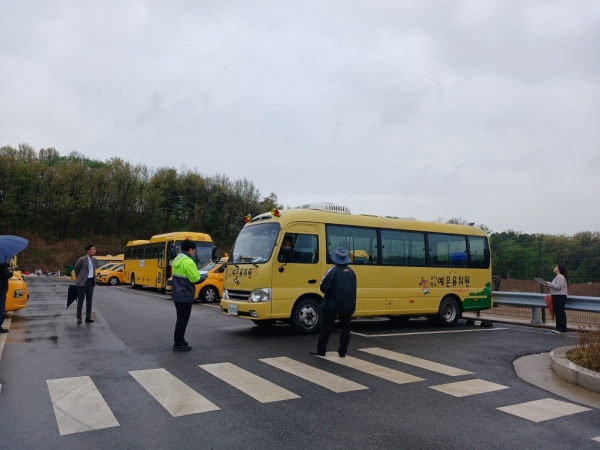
112 275
103 263
18 294
211 289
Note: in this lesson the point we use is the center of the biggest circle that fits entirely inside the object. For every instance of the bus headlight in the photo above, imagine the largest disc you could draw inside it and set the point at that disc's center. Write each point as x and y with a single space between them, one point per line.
225 295
260 295
18 293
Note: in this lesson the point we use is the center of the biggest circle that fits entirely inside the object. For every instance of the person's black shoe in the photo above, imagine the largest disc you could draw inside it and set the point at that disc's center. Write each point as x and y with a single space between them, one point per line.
181 347
78 320
89 320
3 330
342 355
317 353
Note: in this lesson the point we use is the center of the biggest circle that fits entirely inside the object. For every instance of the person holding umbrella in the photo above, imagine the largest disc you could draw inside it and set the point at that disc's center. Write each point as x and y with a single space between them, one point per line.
85 271
9 247
5 275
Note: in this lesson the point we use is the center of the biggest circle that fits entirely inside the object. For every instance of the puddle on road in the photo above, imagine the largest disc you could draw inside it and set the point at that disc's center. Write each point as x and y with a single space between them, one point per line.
53 339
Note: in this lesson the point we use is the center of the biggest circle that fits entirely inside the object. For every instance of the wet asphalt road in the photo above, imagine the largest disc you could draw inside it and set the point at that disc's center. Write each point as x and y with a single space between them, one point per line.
133 331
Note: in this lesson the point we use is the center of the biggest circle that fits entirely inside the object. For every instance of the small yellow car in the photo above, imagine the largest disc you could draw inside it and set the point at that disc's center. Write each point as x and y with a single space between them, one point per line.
211 289
112 275
18 294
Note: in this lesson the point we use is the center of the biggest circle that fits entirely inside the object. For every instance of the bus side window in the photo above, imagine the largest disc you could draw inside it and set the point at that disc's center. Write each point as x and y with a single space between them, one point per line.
305 249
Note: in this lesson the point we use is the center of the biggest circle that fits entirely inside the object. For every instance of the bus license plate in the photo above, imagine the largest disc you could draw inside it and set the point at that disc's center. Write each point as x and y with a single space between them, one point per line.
232 309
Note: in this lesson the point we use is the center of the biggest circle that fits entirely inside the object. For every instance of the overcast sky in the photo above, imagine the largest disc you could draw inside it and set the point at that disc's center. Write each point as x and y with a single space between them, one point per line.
483 110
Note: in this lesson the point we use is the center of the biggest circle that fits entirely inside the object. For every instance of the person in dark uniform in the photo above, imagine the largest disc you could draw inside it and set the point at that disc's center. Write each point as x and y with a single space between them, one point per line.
5 275
339 287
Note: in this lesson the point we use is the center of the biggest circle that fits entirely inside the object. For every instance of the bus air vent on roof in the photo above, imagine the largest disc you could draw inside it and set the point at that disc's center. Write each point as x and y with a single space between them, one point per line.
407 218
328 207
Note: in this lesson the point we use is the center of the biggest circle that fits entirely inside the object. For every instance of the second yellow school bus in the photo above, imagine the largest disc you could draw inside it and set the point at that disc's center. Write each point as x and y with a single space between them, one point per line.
148 262
404 267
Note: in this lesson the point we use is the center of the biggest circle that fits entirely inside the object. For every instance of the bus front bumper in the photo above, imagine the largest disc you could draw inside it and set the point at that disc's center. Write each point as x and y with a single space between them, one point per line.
246 310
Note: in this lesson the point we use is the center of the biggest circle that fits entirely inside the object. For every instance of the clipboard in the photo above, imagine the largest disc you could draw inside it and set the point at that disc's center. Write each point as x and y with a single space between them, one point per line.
540 280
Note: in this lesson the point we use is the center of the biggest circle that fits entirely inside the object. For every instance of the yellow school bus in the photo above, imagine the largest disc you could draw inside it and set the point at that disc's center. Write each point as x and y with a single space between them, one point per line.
404 267
148 262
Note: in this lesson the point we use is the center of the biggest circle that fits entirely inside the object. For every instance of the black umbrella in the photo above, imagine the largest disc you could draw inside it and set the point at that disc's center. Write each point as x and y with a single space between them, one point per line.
10 246
72 294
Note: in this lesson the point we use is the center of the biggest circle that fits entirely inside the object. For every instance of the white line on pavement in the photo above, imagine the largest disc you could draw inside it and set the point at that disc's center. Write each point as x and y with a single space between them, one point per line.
79 406
174 395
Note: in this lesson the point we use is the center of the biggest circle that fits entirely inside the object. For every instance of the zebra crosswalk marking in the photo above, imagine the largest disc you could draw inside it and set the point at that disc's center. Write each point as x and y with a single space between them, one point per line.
256 387
322 378
468 387
174 395
545 409
79 406
417 362
392 375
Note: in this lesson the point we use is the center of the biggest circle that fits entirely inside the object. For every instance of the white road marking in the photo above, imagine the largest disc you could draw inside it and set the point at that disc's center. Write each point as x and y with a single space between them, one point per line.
545 409
426 332
392 375
256 387
468 387
418 362
173 394
597 439
325 379
79 406
3 336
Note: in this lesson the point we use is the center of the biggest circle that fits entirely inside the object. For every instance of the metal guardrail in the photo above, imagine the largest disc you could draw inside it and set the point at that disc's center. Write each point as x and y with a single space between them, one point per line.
535 301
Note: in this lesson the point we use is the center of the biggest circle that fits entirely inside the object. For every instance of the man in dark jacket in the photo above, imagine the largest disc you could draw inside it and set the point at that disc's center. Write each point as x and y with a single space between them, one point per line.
339 287
5 275
85 271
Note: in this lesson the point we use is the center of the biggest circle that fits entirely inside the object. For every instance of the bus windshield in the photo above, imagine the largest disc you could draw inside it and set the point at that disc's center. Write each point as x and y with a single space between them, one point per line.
255 244
203 253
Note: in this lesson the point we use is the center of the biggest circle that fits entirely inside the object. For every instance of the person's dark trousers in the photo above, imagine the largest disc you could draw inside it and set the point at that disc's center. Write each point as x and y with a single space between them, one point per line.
2 308
183 317
328 320
558 303
86 291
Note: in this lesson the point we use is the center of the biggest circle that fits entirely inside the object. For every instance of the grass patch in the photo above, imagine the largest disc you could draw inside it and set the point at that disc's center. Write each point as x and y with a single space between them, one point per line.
587 352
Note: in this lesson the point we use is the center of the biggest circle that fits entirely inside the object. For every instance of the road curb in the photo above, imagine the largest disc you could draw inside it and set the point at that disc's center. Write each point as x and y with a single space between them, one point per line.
573 373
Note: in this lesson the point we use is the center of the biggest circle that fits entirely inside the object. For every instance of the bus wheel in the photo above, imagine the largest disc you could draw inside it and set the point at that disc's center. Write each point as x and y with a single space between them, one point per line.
113 281
208 294
306 316
133 285
449 312
263 323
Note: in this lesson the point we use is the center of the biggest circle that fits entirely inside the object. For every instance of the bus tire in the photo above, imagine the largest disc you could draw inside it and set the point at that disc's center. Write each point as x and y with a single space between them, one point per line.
449 312
113 281
132 282
208 294
306 316
263 323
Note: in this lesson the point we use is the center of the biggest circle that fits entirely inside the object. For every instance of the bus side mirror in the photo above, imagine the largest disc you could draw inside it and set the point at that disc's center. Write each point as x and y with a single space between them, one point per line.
215 255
